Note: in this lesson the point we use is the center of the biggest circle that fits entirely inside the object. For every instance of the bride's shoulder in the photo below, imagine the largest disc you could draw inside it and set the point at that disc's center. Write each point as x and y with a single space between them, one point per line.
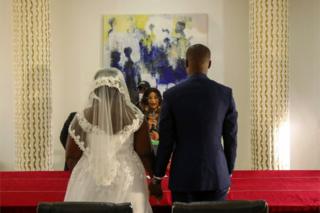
88 113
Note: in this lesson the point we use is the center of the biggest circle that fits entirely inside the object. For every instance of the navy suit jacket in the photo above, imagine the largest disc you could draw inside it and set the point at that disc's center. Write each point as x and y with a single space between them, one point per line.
194 116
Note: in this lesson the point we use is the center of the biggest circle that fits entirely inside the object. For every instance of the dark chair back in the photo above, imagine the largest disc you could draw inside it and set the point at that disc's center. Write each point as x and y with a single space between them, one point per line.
232 206
84 207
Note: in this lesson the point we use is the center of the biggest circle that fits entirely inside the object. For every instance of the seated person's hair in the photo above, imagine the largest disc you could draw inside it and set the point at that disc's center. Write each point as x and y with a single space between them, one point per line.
147 93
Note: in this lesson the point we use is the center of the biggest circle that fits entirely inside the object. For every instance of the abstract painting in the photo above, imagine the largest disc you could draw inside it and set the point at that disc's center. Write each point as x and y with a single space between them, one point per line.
151 47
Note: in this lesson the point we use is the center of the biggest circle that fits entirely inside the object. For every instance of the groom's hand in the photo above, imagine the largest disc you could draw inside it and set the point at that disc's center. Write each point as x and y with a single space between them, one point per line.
155 189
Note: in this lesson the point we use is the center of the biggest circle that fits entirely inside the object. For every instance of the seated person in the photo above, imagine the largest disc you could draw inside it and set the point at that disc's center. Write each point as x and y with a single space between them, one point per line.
153 99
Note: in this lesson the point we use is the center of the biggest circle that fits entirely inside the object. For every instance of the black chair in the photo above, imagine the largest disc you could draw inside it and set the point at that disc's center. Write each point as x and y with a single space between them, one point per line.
84 207
232 206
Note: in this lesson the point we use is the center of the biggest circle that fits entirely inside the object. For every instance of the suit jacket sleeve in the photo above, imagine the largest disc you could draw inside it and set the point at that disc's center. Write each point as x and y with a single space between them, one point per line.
166 133
64 132
230 129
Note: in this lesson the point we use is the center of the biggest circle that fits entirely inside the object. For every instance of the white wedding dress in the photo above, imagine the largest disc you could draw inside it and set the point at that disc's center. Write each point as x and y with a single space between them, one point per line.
109 169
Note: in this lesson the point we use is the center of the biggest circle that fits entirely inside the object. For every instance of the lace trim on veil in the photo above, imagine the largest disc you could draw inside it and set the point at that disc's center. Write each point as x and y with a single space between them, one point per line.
123 135
115 167
110 82
114 82
90 128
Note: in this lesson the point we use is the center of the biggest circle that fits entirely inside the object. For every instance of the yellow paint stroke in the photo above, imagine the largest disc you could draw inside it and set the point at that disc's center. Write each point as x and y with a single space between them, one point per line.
121 24
180 43
149 40
140 21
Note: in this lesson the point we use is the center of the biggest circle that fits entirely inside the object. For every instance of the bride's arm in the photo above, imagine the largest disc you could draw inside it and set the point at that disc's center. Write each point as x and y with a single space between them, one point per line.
73 153
143 148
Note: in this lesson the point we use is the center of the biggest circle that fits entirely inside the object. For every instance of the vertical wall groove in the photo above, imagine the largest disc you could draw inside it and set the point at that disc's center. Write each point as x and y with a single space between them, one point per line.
32 84
268 81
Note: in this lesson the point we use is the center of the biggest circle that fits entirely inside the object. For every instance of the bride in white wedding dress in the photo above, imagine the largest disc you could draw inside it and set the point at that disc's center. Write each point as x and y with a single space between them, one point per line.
108 147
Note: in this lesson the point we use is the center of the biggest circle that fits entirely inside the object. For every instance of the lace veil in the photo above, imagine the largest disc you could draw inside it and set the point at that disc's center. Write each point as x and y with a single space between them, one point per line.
105 123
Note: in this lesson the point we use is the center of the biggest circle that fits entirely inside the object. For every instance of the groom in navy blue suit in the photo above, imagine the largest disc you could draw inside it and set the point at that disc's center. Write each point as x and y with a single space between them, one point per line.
194 116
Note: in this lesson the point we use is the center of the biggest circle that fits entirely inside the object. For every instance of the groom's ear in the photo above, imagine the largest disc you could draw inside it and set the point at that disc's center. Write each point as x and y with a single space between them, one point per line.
209 64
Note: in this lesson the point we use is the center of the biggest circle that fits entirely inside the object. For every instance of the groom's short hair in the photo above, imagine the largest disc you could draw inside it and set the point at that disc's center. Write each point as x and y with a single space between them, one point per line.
198 53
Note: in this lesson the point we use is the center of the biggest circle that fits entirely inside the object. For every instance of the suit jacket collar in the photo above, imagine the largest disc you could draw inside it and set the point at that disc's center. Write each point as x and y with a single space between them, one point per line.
198 76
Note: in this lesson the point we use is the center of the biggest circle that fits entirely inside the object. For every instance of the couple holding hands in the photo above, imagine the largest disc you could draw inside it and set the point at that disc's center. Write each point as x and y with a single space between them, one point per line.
109 147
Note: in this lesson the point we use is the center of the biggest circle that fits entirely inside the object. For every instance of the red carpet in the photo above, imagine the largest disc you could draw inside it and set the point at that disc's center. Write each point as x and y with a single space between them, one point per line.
285 191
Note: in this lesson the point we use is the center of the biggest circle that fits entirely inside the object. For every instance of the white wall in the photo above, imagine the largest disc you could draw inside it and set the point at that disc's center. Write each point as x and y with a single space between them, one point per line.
6 88
77 53
236 71
304 53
